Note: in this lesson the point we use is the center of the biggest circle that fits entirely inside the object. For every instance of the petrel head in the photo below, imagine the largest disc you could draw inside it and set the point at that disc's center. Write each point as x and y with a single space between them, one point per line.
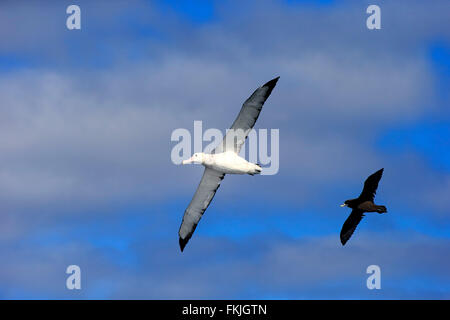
345 204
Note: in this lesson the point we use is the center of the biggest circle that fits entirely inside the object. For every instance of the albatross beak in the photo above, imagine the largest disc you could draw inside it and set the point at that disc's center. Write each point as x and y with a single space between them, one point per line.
343 205
188 161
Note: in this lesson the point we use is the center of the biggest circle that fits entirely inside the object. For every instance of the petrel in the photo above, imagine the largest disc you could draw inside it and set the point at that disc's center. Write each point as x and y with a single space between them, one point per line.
224 159
364 203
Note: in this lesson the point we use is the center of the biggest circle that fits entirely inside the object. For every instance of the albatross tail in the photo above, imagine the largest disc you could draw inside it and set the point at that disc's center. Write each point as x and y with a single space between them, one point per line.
255 169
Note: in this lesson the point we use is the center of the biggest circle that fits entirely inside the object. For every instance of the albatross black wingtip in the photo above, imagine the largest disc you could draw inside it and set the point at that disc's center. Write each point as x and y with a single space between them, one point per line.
271 84
183 243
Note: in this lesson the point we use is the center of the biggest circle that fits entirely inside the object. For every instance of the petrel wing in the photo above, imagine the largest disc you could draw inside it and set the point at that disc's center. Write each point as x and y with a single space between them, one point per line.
370 186
350 225
205 193
236 135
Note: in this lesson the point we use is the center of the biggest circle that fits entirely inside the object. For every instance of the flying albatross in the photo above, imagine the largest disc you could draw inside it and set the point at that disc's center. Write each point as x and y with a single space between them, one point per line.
364 203
224 159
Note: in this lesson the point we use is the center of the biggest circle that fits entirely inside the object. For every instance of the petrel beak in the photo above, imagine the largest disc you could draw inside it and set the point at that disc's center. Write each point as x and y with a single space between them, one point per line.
343 205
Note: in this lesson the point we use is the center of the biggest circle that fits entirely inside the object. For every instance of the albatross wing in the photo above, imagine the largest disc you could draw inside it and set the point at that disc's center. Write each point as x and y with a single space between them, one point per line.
350 225
370 186
205 193
235 137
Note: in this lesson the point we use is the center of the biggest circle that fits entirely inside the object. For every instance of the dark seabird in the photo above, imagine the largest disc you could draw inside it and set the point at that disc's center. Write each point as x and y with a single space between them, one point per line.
364 203
224 159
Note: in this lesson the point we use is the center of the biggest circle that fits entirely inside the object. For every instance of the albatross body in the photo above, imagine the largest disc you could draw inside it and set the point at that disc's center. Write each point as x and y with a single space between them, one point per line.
223 160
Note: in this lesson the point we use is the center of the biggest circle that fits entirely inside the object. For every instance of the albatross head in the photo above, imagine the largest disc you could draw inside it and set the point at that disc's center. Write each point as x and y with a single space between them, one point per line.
196 158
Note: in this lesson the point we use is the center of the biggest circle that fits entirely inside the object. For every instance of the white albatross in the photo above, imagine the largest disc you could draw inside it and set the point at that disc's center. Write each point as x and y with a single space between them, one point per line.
224 159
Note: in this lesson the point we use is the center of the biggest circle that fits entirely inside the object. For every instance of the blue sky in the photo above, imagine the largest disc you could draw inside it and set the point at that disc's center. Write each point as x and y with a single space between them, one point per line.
85 171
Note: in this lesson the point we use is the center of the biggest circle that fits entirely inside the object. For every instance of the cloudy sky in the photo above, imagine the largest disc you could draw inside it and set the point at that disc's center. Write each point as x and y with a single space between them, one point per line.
86 177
